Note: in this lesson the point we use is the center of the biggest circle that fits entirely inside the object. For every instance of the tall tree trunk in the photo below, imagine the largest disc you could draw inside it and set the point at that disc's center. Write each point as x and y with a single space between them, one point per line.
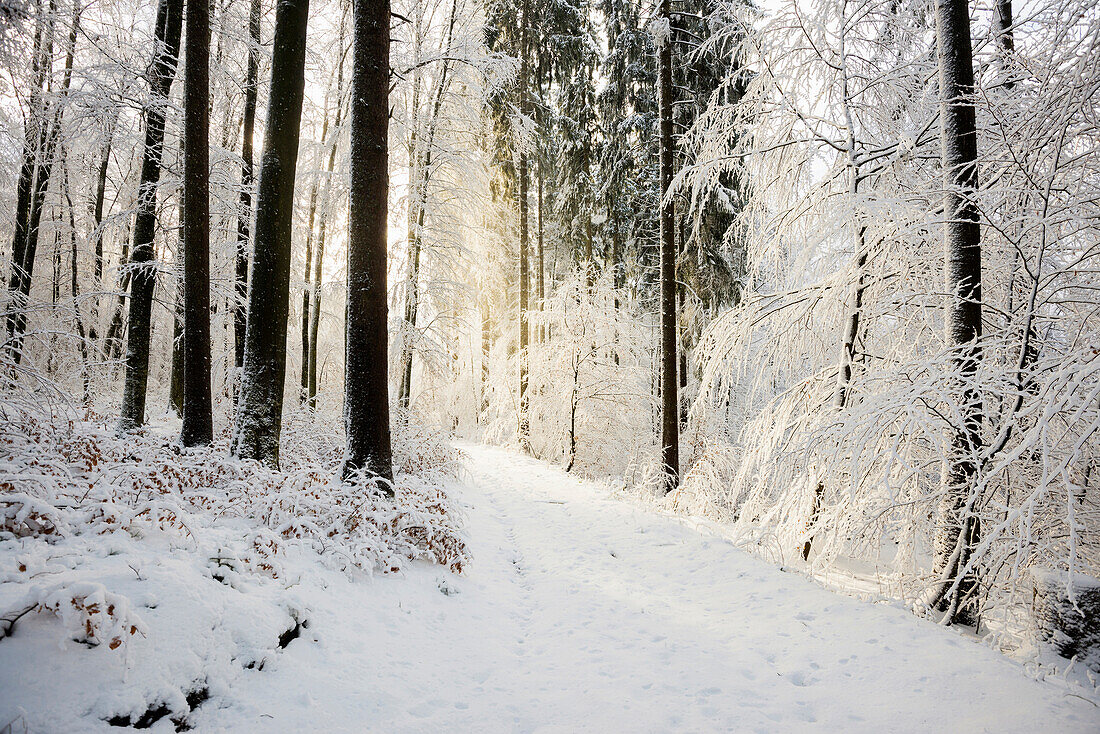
175 379
486 344
315 309
56 295
540 283
1002 25
670 412
366 379
303 391
524 270
175 389
307 287
958 530
34 126
420 173
48 137
198 420
97 222
143 275
74 288
850 338
412 240
260 407
319 255
112 341
244 213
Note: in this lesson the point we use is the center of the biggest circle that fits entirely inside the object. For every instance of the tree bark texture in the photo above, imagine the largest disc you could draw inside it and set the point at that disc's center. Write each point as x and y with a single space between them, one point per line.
198 422
260 405
958 529
244 214
524 268
366 379
143 269
670 412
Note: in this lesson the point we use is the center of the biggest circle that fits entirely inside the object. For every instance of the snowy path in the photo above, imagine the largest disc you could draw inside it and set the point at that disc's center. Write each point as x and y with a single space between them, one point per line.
585 613
579 613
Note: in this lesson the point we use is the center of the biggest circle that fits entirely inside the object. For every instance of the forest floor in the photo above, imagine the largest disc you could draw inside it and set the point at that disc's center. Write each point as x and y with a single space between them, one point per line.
579 612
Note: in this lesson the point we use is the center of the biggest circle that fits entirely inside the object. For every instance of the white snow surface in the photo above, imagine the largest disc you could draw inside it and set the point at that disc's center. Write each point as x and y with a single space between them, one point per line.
579 612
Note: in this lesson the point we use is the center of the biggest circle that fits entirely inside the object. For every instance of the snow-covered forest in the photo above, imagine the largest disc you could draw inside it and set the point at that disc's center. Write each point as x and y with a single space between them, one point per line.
531 365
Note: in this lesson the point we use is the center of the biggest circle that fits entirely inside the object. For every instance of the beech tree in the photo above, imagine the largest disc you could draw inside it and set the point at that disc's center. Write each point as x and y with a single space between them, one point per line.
244 213
422 142
198 421
366 381
42 134
314 282
260 404
162 72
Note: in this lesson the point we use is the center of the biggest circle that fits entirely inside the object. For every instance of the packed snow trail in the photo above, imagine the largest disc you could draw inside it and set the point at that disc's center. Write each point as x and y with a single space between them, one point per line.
582 612
579 613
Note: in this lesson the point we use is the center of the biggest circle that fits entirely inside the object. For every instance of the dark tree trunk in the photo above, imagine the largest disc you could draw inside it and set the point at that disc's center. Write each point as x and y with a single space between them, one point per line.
366 394
540 282
198 421
48 136
404 391
670 412
97 205
175 390
75 287
175 385
143 269
244 214
1002 21
97 224
303 388
524 269
260 407
412 243
112 342
315 311
319 255
958 530
34 125
486 343
420 173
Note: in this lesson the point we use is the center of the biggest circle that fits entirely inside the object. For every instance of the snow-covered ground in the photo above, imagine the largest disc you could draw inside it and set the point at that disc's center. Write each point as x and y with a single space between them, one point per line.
579 612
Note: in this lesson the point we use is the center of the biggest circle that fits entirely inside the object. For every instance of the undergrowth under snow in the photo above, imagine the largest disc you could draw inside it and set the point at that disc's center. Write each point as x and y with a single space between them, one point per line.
177 568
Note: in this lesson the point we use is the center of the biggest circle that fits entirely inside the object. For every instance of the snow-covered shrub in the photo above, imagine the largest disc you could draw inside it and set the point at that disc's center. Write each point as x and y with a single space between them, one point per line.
90 612
77 479
590 390
829 397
